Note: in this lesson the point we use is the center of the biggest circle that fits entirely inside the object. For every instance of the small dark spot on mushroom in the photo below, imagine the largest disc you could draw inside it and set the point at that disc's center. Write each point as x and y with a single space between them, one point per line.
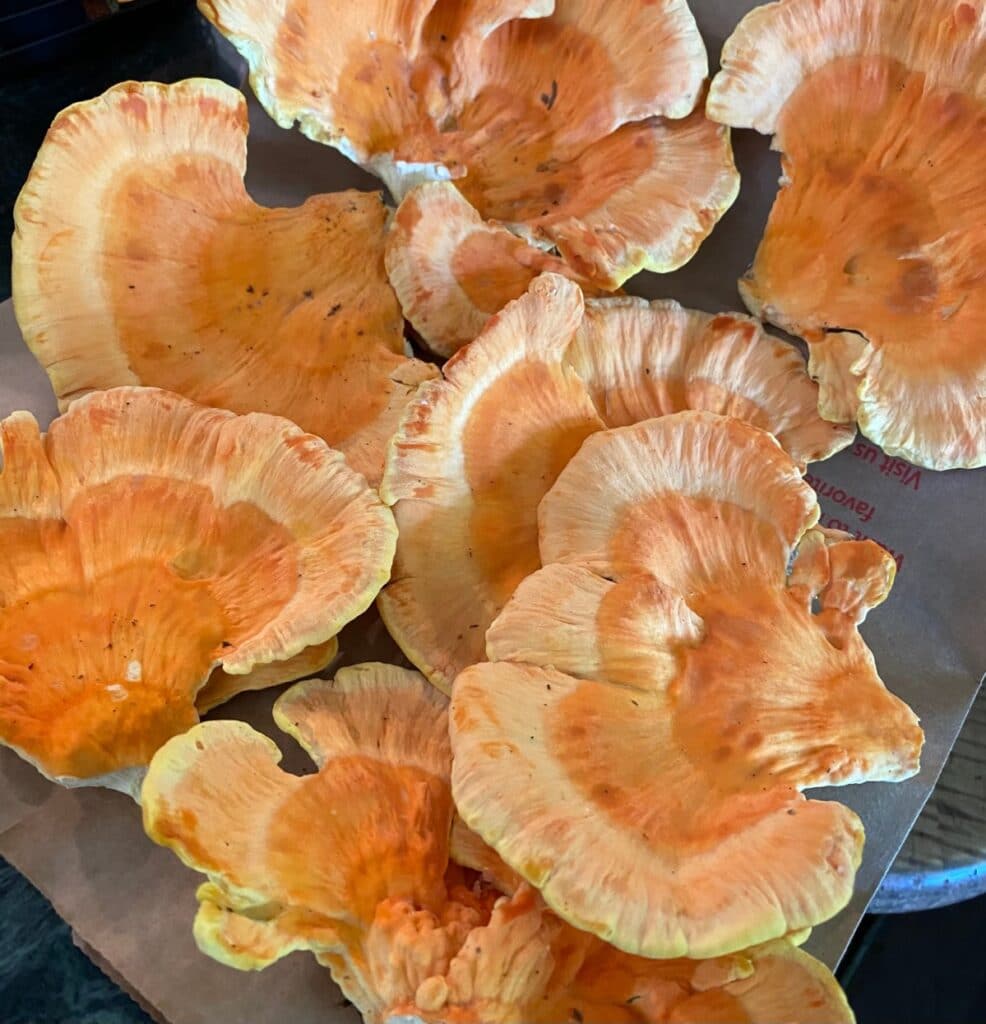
577 1015
632 999
30 666
335 309
444 38
226 643
308 293
548 99
250 288
133 622
131 286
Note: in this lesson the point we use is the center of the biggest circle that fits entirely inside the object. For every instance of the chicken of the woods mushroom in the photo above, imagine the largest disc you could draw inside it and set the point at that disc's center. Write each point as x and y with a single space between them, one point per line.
478 449
406 933
875 247
155 550
139 258
661 691
578 124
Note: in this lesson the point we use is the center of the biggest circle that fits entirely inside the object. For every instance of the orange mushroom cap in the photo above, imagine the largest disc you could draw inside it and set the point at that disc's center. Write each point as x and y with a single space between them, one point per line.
528 967
222 686
659 697
644 359
379 737
771 982
466 470
168 274
141 517
452 270
371 892
568 122
478 449
875 247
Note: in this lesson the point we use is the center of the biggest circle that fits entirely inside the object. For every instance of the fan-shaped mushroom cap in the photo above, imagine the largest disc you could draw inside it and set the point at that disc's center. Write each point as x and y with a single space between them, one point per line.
168 274
527 967
643 198
767 983
775 981
470 463
222 687
452 270
644 359
549 116
659 673
142 517
378 734
702 501
847 577
478 449
880 225
371 893
369 80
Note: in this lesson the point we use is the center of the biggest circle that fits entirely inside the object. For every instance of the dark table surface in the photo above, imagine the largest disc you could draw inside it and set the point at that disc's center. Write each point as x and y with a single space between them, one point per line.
918 968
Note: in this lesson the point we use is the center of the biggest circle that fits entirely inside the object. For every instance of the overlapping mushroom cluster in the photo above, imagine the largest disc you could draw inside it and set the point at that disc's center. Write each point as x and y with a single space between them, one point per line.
406 932
660 692
578 124
590 528
479 448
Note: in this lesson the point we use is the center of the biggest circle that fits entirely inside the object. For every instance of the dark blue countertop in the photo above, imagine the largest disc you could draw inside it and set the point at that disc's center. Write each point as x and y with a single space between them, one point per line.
44 979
